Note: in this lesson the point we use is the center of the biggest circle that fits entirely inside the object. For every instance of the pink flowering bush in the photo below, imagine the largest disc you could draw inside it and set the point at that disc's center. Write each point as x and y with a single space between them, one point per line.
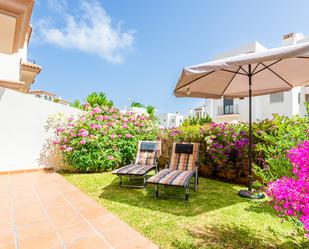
290 195
223 146
226 149
102 138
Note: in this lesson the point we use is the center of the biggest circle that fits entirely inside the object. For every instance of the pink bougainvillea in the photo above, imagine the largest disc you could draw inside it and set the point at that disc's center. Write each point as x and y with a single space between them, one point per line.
128 135
290 196
102 138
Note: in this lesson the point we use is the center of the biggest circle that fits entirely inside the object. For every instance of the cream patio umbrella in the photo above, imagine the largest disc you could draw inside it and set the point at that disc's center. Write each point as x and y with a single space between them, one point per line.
247 75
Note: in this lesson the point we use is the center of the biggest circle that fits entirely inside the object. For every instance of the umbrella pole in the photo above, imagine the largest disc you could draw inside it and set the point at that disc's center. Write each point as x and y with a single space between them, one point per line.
248 193
250 131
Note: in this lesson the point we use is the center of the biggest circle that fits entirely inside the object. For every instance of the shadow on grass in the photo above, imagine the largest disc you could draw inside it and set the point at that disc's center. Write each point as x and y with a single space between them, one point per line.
261 207
211 195
236 237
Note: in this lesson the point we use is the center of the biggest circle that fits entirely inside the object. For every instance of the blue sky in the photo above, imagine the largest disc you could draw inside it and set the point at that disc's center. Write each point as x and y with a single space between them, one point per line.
136 48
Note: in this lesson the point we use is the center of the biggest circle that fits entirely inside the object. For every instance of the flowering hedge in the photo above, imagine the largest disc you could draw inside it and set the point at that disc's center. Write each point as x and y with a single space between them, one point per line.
224 147
102 138
290 196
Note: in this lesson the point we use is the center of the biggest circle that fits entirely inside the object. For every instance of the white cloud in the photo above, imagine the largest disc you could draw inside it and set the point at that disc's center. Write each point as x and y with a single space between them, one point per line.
89 30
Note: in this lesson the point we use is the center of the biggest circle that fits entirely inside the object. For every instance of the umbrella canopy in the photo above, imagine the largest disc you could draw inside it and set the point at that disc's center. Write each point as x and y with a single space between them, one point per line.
273 70
252 74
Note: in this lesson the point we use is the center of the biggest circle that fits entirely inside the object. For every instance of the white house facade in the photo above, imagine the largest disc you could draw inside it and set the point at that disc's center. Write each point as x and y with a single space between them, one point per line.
17 72
170 120
288 103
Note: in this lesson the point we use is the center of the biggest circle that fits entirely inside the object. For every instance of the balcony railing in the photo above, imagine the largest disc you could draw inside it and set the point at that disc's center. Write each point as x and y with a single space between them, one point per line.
228 109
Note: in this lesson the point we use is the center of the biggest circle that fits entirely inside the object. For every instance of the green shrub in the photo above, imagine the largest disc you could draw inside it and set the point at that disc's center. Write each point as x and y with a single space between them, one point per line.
197 120
224 147
273 138
103 139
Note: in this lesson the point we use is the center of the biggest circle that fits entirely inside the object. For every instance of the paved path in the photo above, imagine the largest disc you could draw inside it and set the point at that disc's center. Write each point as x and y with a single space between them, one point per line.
42 210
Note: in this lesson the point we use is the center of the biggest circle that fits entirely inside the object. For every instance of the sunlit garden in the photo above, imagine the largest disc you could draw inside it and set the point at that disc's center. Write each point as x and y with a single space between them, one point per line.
102 138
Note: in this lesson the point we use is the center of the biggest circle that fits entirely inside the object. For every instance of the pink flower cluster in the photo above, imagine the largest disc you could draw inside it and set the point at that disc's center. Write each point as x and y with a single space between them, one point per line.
290 196
225 144
95 126
83 133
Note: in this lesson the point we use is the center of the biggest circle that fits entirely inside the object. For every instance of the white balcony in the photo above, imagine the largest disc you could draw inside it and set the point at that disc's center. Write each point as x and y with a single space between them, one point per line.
228 110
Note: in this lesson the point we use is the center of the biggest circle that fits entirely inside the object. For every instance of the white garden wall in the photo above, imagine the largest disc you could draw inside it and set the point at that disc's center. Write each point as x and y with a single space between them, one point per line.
24 140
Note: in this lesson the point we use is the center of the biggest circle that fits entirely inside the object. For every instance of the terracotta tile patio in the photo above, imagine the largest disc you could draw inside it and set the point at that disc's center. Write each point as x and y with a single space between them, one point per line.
42 210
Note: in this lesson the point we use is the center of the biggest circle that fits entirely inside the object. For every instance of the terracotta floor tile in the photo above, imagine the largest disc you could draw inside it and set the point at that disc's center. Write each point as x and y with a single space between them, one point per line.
46 241
4 189
5 204
94 241
8 246
139 243
120 234
22 188
61 210
76 232
65 188
34 229
28 208
78 197
30 217
53 203
6 236
46 206
94 212
45 191
24 199
65 219
6 221
106 222
49 196
86 205
57 204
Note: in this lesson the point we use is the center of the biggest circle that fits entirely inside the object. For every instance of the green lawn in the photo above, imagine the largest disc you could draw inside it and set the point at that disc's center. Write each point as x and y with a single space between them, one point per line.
214 217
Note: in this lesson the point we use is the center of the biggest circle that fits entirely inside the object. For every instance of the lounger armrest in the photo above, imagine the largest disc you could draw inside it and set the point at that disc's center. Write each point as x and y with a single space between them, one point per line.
197 165
156 163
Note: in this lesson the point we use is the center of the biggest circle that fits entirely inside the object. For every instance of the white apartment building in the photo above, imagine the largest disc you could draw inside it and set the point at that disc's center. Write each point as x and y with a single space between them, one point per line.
288 103
45 95
17 72
170 120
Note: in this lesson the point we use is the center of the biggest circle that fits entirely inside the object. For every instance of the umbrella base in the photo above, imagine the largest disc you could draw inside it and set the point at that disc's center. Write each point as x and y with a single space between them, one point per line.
251 195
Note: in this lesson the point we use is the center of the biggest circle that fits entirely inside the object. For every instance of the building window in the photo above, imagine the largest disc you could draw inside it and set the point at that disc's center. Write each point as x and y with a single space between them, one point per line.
276 98
298 98
228 106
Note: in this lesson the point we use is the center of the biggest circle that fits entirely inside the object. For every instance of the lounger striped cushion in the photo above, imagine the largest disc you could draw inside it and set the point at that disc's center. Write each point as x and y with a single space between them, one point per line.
146 157
145 160
183 161
172 177
133 169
